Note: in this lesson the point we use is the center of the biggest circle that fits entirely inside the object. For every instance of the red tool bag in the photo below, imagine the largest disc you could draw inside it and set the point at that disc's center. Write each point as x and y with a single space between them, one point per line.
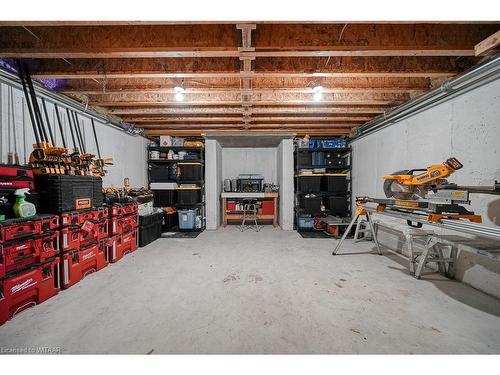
28 288
16 177
76 264
18 255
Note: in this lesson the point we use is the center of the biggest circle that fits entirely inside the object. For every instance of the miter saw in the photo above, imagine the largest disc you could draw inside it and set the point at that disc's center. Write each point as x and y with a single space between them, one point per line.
428 191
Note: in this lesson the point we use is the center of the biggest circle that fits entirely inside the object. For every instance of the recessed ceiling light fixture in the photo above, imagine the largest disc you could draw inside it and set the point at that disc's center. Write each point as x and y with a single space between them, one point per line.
318 93
179 93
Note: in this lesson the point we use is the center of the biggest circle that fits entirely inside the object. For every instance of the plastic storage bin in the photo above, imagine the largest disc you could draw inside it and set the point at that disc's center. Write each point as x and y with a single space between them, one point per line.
335 183
149 233
187 196
163 198
337 205
170 220
61 193
318 158
187 219
304 159
308 183
310 204
305 222
336 162
159 173
189 171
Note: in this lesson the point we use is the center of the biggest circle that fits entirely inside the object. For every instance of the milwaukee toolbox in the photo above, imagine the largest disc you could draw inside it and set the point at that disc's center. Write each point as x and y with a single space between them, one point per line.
120 209
74 236
76 264
28 288
113 248
16 256
122 224
15 229
16 177
128 241
79 217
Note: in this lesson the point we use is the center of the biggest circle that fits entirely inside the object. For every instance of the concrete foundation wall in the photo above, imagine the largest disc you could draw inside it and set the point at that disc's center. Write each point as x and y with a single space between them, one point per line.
236 160
128 152
466 127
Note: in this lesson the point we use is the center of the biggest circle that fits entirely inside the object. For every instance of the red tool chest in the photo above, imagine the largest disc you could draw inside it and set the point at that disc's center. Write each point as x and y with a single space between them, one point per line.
122 224
28 288
16 177
16 229
113 249
128 241
74 236
17 255
120 209
76 264
79 217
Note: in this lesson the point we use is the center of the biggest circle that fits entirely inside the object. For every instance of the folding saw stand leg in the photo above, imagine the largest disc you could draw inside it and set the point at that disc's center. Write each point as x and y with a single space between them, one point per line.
360 212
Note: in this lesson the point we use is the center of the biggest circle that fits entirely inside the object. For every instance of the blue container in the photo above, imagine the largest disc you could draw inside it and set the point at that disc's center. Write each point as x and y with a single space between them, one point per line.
318 158
306 222
187 219
314 143
335 143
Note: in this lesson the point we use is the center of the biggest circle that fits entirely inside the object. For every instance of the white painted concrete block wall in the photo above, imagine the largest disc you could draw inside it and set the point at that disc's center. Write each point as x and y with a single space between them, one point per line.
466 127
129 152
261 160
285 180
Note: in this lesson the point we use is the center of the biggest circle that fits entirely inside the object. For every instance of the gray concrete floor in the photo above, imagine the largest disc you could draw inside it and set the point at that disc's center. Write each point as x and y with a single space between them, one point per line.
267 292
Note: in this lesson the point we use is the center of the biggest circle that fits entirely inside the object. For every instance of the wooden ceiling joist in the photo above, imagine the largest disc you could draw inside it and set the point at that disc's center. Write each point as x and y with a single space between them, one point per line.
248 77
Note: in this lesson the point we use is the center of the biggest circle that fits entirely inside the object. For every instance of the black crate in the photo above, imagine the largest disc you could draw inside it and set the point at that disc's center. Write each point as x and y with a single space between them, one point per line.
306 184
335 184
62 193
159 173
337 205
190 171
188 196
304 159
157 217
310 205
163 198
149 233
170 221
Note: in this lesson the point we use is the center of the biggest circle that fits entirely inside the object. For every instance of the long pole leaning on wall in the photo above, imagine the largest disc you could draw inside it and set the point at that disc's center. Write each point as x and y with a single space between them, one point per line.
480 75
12 80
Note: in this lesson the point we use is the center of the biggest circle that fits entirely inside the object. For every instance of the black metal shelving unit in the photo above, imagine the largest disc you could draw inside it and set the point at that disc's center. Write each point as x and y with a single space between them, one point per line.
166 163
299 165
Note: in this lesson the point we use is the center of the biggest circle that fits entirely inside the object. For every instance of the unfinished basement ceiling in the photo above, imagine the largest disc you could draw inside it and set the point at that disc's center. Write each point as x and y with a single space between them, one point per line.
252 77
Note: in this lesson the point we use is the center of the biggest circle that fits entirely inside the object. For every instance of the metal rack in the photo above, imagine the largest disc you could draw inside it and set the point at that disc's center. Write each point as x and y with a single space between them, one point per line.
346 153
167 163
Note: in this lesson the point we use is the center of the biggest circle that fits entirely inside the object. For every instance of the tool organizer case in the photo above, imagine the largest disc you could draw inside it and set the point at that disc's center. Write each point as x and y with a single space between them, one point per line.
76 264
63 193
18 255
73 237
79 217
17 229
16 177
121 224
149 233
28 288
120 209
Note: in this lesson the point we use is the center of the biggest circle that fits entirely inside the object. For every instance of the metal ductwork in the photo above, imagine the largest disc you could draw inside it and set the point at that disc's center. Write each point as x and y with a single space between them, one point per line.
480 75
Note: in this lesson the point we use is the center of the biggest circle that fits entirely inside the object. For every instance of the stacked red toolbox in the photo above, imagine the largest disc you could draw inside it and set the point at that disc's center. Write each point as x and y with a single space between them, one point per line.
29 263
123 223
82 233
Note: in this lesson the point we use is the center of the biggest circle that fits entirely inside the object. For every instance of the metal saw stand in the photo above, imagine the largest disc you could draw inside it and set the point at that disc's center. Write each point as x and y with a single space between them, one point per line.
358 219
433 253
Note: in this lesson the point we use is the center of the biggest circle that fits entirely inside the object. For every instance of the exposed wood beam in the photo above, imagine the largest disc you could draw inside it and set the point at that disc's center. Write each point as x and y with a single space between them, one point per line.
189 52
168 120
488 45
253 103
195 90
137 75
255 126
231 110
242 131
